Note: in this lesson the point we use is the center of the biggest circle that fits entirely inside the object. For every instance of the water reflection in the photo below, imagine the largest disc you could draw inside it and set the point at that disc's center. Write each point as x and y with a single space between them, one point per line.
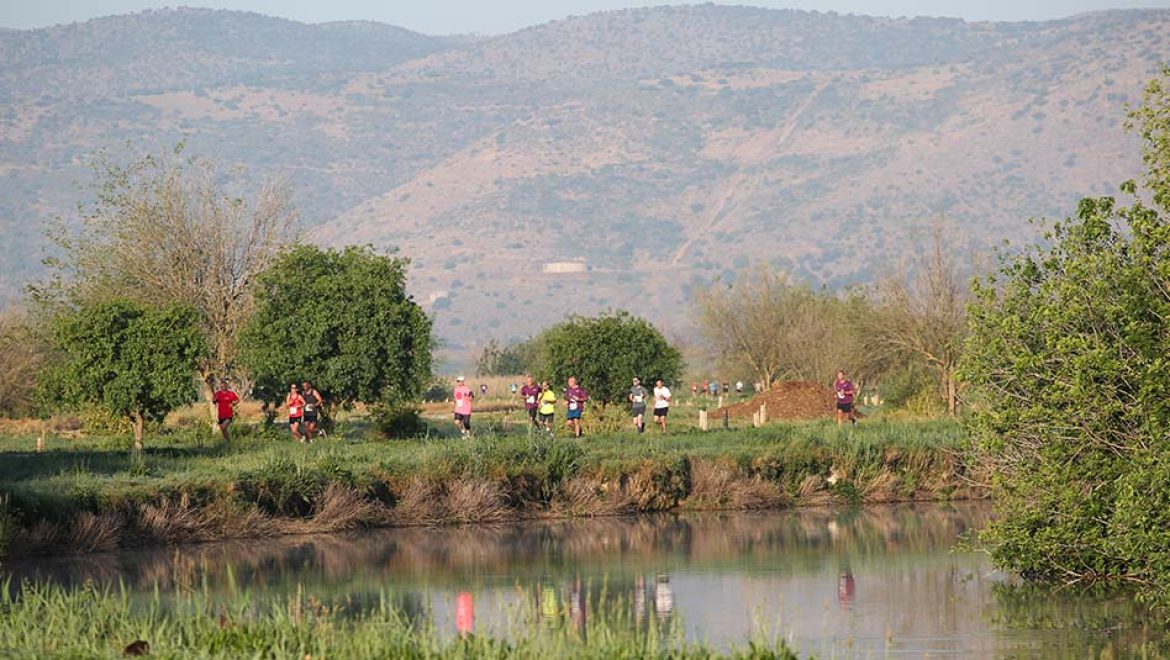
880 580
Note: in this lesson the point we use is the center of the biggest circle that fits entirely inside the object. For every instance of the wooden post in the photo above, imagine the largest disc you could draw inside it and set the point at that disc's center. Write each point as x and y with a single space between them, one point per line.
41 440
725 420
720 401
702 420
763 414
756 420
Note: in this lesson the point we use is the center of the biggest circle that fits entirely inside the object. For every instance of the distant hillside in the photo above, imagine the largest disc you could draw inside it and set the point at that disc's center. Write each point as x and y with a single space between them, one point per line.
613 160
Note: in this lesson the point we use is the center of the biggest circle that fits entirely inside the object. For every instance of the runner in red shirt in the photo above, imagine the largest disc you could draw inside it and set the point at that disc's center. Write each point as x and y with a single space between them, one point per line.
296 411
225 404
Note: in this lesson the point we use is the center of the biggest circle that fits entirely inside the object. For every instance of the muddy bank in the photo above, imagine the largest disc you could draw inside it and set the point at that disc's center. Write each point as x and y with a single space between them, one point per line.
301 501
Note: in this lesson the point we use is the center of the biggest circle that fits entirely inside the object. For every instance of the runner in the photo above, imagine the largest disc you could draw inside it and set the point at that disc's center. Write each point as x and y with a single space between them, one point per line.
661 403
739 387
548 406
637 398
576 397
296 409
531 395
845 392
313 401
225 404
463 396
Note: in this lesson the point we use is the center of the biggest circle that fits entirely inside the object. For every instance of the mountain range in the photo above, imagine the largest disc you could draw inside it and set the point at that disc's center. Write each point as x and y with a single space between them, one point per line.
614 160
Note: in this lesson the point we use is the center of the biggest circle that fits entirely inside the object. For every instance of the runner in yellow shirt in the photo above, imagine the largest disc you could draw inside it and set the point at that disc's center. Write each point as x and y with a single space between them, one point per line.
548 406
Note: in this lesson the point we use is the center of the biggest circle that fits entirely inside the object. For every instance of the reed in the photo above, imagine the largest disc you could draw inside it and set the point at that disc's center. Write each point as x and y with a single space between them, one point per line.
90 622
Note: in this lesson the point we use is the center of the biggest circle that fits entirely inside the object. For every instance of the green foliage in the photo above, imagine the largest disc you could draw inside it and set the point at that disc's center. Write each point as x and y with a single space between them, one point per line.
341 319
606 352
1069 351
397 419
125 358
520 358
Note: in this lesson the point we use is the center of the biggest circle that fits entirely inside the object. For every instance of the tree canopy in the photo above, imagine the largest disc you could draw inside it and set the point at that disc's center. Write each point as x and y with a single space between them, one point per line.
342 319
171 229
129 359
1068 353
605 352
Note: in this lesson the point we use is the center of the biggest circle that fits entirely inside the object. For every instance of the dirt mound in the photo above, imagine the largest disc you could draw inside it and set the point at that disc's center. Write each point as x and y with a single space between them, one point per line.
795 399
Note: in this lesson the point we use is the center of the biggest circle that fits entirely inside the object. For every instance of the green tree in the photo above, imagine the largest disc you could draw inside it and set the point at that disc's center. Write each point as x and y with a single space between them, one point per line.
605 352
518 358
920 318
1068 352
342 319
766 323
126 358
171 229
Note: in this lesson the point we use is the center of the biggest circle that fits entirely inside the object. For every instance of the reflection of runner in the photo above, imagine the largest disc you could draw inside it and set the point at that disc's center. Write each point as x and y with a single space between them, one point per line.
577 606
845 589
845 392
663 597
550 607
531 395
639 600
637 398
464 613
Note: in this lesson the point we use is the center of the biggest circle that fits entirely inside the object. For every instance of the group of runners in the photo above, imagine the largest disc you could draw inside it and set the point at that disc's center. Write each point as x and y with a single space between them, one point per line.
304 411
540 402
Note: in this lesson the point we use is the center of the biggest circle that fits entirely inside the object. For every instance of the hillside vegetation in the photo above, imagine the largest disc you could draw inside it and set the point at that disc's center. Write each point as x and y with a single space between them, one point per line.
660 147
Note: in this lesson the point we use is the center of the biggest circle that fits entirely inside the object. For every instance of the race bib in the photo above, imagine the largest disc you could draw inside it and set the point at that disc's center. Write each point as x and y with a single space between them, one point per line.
294 411
573 406
531 399
637 398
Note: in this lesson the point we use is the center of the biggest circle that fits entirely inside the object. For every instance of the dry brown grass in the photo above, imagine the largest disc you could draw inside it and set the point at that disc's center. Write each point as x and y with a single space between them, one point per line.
592 496
476 500
420 502
340 509
886 486
92 532
812 492
718 484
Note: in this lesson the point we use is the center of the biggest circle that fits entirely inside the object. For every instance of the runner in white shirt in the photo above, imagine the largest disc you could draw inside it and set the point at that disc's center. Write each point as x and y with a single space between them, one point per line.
661 403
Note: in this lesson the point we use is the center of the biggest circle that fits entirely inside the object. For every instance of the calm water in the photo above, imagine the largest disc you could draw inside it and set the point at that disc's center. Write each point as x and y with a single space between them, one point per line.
876 582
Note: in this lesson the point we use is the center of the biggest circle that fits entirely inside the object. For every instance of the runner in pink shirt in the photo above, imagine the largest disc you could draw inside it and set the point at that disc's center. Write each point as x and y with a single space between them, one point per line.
463 397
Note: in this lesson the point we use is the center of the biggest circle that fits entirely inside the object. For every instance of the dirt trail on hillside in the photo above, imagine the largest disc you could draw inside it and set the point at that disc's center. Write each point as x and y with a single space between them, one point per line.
759 151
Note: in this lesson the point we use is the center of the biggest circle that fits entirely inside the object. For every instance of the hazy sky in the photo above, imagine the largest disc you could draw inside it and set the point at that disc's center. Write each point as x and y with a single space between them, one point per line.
497 16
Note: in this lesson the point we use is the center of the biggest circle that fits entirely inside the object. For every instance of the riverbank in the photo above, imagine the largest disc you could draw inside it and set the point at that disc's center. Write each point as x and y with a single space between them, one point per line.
90 494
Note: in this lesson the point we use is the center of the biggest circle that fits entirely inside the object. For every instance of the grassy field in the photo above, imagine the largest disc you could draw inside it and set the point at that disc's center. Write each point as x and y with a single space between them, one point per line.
90 493
49 622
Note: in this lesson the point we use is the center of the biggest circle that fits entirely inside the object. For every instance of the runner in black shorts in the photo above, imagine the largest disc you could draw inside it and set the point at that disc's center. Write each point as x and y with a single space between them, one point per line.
530 393
637 397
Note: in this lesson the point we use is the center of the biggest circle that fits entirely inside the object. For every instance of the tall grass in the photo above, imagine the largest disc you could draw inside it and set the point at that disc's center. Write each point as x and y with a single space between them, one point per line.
54 622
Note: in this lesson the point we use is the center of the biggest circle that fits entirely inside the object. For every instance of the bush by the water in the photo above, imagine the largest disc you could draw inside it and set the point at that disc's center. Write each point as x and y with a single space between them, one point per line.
1068 353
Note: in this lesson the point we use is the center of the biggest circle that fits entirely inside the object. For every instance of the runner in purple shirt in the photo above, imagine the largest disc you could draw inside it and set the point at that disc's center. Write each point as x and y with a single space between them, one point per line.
845 392
531 395
576 397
